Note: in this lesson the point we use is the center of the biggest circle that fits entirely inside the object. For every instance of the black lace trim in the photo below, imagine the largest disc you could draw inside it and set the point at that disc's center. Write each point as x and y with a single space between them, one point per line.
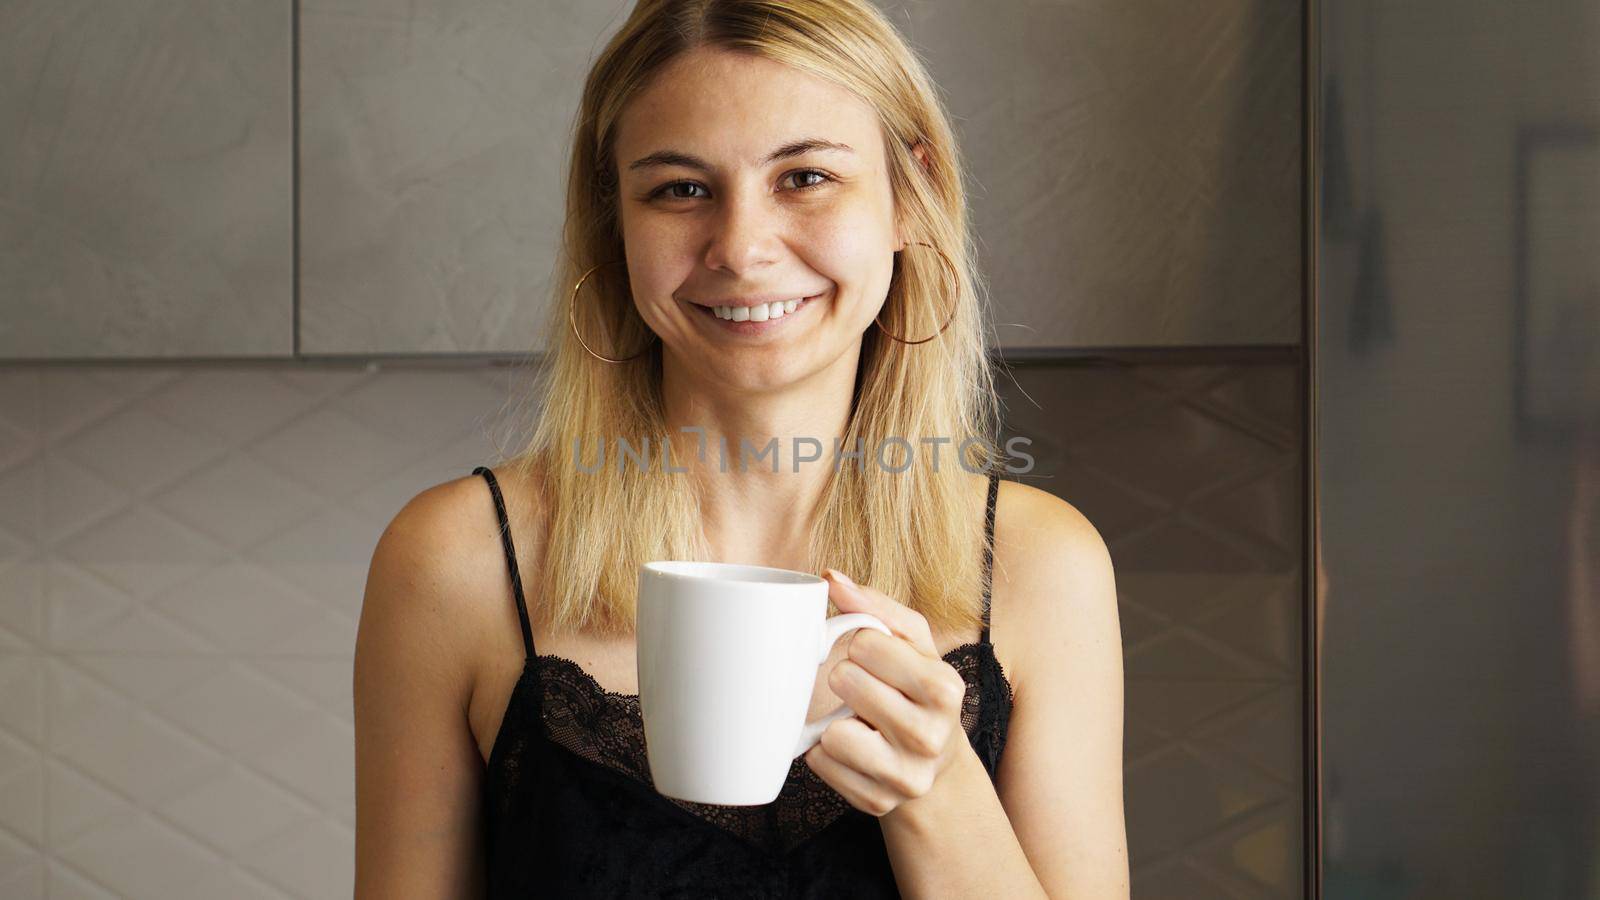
606 727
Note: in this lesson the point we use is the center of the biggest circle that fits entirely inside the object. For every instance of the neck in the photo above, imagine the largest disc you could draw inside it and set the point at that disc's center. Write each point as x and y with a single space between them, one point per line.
752 514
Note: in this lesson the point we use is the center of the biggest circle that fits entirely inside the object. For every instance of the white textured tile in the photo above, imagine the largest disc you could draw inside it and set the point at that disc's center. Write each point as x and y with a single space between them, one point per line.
120 742
22 697
1264 732
22 607
1176 707
71 399
237 405
313 753
235 710
79 604
237 810
144 857
145 678
1187 655
20 403
19 437
320 381
139 451
1263 623
331 452
315 861
325 682
79 800
238 500
325 554
1259 855
26 879
22 767
73 498
457 403
141 550
1219 799
67 883
21 493
140 630
326 634
240 607
454 460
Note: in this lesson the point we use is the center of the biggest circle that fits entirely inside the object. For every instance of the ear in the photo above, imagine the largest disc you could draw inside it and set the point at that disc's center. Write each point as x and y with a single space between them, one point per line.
920 151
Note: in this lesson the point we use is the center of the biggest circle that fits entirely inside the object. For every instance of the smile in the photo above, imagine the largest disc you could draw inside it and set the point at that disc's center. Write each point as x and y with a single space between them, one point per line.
757 319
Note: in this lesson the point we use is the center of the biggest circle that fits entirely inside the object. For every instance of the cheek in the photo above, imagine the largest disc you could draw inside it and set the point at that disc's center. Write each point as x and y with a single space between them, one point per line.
655 272
854 251
659 265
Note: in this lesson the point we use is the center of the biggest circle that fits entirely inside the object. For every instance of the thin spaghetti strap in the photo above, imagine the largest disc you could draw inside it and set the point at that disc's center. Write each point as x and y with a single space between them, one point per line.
988 552
511 555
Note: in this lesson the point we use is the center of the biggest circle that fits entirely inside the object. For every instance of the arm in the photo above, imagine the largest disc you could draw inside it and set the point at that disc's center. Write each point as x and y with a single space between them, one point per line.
417 767
1055 825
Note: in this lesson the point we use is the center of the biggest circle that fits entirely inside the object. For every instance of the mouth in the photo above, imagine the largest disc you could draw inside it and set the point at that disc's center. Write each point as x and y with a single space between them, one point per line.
749 325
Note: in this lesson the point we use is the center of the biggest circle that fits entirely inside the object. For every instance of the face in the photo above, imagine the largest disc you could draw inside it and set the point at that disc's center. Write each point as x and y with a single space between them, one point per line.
742 180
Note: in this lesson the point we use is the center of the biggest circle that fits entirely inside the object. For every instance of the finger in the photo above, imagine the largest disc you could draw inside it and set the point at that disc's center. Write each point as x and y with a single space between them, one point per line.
846 757
864 750
856 790
892 714
923 677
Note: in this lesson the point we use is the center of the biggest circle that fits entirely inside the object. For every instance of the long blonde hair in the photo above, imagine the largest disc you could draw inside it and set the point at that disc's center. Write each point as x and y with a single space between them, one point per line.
916 535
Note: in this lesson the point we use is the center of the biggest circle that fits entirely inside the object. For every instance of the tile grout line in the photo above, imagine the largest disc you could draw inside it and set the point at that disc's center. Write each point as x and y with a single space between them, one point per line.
46 724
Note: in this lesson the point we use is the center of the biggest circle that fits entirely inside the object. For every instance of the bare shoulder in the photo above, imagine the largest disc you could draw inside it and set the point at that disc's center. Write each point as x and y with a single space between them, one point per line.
1060 779
1039 534
419 647
1052 568
424 576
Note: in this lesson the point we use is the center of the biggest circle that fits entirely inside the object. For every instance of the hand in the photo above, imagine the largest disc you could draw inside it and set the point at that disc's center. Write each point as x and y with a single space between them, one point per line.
906 730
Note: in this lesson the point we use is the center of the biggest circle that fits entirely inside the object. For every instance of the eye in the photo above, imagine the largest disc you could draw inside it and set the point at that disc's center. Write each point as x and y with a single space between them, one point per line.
824 176
669 191
665 191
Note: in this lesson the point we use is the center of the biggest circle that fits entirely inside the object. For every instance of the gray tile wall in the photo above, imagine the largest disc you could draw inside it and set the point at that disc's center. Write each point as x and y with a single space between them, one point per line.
182 558
1134 170
433 161
145 193
183 552
1135 167
1192 475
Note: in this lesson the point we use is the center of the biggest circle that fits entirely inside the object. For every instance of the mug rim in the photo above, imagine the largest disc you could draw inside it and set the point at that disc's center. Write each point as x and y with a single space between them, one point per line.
726 572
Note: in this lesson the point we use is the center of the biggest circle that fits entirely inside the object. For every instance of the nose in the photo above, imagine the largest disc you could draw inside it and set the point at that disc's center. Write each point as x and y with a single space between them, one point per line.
744 235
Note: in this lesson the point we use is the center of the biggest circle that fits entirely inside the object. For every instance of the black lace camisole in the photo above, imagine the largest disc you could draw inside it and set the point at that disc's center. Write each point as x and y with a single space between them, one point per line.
569 809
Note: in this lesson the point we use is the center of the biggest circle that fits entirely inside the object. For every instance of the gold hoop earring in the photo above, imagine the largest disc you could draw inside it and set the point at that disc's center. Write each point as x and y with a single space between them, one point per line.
572 307
950 267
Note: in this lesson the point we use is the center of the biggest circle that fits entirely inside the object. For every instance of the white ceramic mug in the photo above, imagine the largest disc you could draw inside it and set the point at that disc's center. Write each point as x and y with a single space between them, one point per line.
727 659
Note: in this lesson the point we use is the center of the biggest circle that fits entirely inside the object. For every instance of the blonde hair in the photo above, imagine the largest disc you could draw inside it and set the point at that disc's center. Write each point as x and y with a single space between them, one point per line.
916 535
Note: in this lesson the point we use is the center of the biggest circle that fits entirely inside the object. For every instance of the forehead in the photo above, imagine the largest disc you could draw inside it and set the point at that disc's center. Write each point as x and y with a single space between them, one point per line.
734 108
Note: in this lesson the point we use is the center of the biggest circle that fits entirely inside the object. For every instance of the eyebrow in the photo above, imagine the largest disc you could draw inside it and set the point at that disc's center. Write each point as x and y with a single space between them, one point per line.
787 151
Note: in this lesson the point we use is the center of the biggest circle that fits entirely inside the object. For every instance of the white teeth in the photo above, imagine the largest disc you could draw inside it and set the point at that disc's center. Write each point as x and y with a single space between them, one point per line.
758 313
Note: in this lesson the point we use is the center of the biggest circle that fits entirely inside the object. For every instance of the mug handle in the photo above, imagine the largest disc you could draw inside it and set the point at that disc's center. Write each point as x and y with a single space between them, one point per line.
833 629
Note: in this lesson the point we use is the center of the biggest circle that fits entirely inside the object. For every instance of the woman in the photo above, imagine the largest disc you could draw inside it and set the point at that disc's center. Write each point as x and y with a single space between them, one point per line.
766 241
